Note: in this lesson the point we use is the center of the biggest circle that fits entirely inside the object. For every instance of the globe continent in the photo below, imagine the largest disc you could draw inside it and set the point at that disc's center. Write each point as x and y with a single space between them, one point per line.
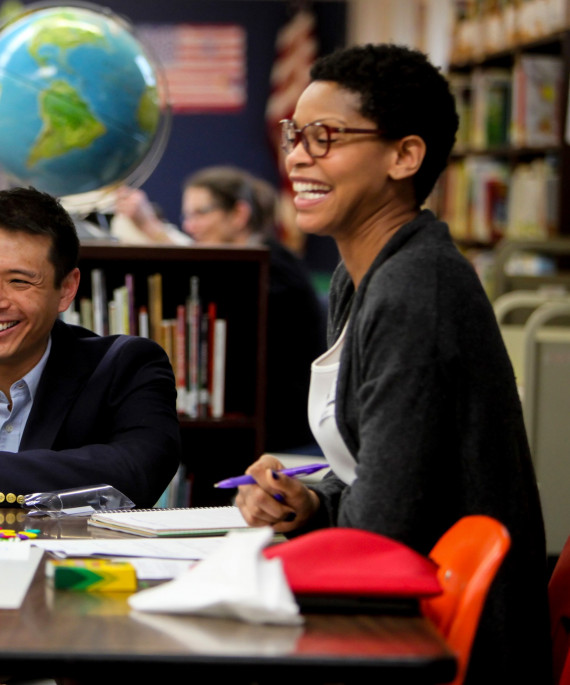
79 101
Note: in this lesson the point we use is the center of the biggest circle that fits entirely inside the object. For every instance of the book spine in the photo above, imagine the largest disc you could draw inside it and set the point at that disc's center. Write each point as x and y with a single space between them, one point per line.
180 357
155 306
99 299
193 347
132 315
167 334
203 397
112 317
217 399
143 323
212 309
86 312
120 321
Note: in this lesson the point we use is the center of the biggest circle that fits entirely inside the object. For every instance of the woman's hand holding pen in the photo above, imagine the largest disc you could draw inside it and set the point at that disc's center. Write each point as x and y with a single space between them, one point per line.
276 500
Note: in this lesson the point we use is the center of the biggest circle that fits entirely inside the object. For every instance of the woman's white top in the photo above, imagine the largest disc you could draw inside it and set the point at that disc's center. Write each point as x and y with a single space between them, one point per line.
322 419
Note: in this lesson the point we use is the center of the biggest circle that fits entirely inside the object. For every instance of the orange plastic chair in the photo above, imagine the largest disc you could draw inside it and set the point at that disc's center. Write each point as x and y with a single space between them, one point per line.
559 600
469 555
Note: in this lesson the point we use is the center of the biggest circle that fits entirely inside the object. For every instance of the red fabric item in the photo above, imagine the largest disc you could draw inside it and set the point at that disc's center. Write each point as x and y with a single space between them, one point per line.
348 561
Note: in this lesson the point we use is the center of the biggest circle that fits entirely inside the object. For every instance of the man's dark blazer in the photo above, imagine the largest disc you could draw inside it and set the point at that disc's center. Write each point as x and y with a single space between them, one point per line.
104 412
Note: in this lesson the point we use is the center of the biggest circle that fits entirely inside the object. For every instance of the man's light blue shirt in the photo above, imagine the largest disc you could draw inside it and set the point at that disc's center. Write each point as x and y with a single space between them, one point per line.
22 392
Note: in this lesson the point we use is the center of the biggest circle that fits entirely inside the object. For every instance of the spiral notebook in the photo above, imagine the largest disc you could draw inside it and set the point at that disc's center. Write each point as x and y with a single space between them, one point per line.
180 522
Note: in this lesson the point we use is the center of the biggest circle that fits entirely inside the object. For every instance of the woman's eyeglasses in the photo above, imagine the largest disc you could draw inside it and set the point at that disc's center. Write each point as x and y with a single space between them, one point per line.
316 137
196 213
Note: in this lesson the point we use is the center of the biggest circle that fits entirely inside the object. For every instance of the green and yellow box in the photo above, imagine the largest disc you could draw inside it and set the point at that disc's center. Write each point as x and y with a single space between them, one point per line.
92 575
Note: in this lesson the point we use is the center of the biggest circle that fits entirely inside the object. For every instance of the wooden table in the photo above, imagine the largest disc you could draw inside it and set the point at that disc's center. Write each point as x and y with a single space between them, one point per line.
95 637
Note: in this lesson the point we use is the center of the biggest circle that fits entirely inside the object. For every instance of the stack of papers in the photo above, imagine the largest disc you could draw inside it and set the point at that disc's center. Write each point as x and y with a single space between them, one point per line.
153 559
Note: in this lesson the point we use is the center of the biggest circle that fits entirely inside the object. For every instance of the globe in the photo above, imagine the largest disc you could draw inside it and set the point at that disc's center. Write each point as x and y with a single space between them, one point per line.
82 104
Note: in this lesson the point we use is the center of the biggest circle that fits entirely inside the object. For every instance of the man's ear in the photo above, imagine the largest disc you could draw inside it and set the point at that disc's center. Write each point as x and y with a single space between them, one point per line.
68 289
242 214
410 153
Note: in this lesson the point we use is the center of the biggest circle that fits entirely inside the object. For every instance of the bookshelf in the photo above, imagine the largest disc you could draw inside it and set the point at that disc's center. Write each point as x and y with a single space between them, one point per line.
510 148
509 174
236 279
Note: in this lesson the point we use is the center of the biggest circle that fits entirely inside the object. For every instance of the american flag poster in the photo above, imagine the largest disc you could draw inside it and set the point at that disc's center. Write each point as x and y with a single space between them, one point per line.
204 64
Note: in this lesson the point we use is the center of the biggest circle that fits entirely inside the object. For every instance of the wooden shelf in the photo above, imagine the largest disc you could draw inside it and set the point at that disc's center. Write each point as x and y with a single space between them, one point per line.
515 154
236 279
547 45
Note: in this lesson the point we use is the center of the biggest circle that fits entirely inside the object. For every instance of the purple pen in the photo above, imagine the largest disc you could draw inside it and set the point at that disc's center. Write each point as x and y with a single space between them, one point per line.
248 480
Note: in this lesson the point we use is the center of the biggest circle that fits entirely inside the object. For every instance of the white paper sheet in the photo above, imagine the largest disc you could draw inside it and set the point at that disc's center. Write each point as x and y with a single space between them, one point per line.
17 573
157 548
236 581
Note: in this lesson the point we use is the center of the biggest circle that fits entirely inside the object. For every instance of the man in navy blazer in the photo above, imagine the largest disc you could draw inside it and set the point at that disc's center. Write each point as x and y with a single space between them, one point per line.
76 409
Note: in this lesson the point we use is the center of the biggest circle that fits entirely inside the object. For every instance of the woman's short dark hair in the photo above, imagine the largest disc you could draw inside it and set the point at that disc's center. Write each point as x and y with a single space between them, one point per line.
37 213
404 94
228 185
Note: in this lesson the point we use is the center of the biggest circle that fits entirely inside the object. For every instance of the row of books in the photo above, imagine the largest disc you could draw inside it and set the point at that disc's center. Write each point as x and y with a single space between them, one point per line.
483 199
195 340
518 107
485 27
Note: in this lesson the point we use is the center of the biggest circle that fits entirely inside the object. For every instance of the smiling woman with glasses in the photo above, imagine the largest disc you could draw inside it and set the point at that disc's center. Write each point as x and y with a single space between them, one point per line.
415 404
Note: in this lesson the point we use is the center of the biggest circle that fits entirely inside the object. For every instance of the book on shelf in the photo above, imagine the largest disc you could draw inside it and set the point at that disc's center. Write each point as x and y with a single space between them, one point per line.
194 340
539 18
498 25
143 323
86 312
485 27
461 87
474 199
204 366
498 108
484 199
204 369
491 107
180 359
132 314
154 284
533 200
537 84
488 197
193 317
99 302
119 312
218 368
168 338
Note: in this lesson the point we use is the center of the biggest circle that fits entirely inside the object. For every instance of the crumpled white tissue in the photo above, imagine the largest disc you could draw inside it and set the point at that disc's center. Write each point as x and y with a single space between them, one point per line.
235 581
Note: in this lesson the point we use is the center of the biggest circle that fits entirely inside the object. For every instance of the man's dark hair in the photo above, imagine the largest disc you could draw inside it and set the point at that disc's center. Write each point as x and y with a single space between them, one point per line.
37 213
404 95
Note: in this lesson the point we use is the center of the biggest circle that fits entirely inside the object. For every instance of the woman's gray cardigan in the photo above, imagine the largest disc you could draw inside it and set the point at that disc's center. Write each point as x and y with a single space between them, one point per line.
428 406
